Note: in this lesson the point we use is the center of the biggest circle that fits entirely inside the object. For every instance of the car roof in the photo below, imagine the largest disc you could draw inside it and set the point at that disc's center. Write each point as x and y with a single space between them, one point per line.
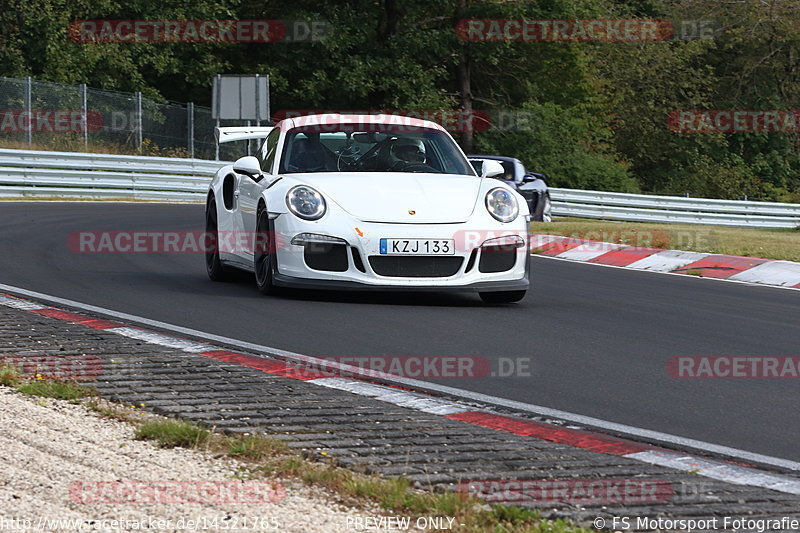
356 119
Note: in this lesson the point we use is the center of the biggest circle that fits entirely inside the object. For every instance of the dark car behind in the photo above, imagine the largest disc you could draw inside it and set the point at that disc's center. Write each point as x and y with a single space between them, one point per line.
531 185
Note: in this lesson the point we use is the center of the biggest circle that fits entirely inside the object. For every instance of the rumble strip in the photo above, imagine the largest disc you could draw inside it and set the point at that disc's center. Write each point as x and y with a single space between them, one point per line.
588 440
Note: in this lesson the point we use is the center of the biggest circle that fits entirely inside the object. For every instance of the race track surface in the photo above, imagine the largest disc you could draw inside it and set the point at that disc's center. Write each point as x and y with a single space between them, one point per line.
598 338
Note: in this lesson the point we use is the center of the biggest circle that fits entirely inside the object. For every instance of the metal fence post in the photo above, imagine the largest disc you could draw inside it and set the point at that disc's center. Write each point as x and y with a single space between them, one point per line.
190 122
218 87
85 118
258 101
29 109
140 122
248 141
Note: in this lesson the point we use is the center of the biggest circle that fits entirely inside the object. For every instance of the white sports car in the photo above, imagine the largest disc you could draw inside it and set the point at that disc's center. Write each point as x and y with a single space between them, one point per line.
377 202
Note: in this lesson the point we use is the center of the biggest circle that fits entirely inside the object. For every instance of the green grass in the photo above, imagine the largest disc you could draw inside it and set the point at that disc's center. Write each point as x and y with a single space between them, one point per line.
173 433
9 375
55 388
254 448
399 497
42 386
115 411
74 143
272 458
266 457
783 244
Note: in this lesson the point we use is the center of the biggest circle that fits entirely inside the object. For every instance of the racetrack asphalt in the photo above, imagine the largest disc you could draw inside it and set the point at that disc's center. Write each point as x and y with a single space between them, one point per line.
598 339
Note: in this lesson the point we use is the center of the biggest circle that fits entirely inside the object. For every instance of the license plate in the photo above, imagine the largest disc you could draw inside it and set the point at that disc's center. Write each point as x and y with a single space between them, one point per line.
417 247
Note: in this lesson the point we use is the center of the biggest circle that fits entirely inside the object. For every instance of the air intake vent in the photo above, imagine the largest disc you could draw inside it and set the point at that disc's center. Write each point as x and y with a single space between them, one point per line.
415 266
359 264
497 258
328 257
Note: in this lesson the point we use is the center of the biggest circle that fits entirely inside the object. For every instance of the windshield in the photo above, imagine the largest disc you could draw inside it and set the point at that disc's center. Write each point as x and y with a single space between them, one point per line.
373 149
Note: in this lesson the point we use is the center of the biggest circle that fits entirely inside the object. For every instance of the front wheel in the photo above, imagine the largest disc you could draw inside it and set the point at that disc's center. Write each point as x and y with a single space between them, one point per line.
504 297
263 256
547 210
544 209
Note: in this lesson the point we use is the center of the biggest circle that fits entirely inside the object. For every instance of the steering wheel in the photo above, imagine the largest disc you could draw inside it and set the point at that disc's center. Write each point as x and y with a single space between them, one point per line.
347 163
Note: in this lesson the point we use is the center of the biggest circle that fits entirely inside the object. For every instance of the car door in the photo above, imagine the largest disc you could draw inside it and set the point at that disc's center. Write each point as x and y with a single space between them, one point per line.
250 189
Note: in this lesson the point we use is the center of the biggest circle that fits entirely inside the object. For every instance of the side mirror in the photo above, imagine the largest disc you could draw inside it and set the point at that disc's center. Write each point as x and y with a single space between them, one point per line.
249 166
533 176
492 168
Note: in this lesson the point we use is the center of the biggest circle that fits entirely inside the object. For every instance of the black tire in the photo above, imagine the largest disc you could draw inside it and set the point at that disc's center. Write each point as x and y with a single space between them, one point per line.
547 210
503 297
544 209
216 271
263 255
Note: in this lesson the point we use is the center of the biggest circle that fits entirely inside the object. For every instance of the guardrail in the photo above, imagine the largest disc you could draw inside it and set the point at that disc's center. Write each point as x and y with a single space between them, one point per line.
25 173
673 209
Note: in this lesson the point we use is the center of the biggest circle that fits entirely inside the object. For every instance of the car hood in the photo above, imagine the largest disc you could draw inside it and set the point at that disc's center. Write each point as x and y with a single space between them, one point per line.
399 197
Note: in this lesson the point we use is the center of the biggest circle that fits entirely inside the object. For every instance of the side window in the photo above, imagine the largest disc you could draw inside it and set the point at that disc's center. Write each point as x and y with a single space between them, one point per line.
267 152
477 164
508 166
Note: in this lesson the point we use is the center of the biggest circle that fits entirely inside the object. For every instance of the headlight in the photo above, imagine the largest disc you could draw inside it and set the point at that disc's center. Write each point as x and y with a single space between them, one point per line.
305 202
502 205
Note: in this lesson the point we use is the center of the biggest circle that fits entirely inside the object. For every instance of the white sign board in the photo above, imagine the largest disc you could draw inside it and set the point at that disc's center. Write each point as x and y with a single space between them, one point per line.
241 97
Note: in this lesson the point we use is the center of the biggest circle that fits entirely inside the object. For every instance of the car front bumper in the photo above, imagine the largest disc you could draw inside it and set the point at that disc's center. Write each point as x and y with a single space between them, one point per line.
361 246
339 285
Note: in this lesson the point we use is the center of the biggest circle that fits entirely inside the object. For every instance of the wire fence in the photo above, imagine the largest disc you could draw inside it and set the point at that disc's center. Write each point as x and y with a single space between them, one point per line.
51 116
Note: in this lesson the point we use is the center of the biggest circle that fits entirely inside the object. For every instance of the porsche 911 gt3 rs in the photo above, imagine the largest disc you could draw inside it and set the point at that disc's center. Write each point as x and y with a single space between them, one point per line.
363 202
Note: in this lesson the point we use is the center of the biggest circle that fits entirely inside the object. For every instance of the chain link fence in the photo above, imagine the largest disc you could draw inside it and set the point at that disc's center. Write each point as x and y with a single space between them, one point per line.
51 116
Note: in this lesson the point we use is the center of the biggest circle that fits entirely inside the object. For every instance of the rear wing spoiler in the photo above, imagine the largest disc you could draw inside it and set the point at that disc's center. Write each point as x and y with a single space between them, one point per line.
241 133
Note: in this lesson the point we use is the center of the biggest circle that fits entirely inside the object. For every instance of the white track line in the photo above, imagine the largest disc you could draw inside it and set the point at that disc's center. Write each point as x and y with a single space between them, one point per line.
162 340
20 304
739 475
412 400
646 434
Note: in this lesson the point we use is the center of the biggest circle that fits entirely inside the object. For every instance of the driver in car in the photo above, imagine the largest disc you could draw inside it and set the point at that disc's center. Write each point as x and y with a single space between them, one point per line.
408 155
